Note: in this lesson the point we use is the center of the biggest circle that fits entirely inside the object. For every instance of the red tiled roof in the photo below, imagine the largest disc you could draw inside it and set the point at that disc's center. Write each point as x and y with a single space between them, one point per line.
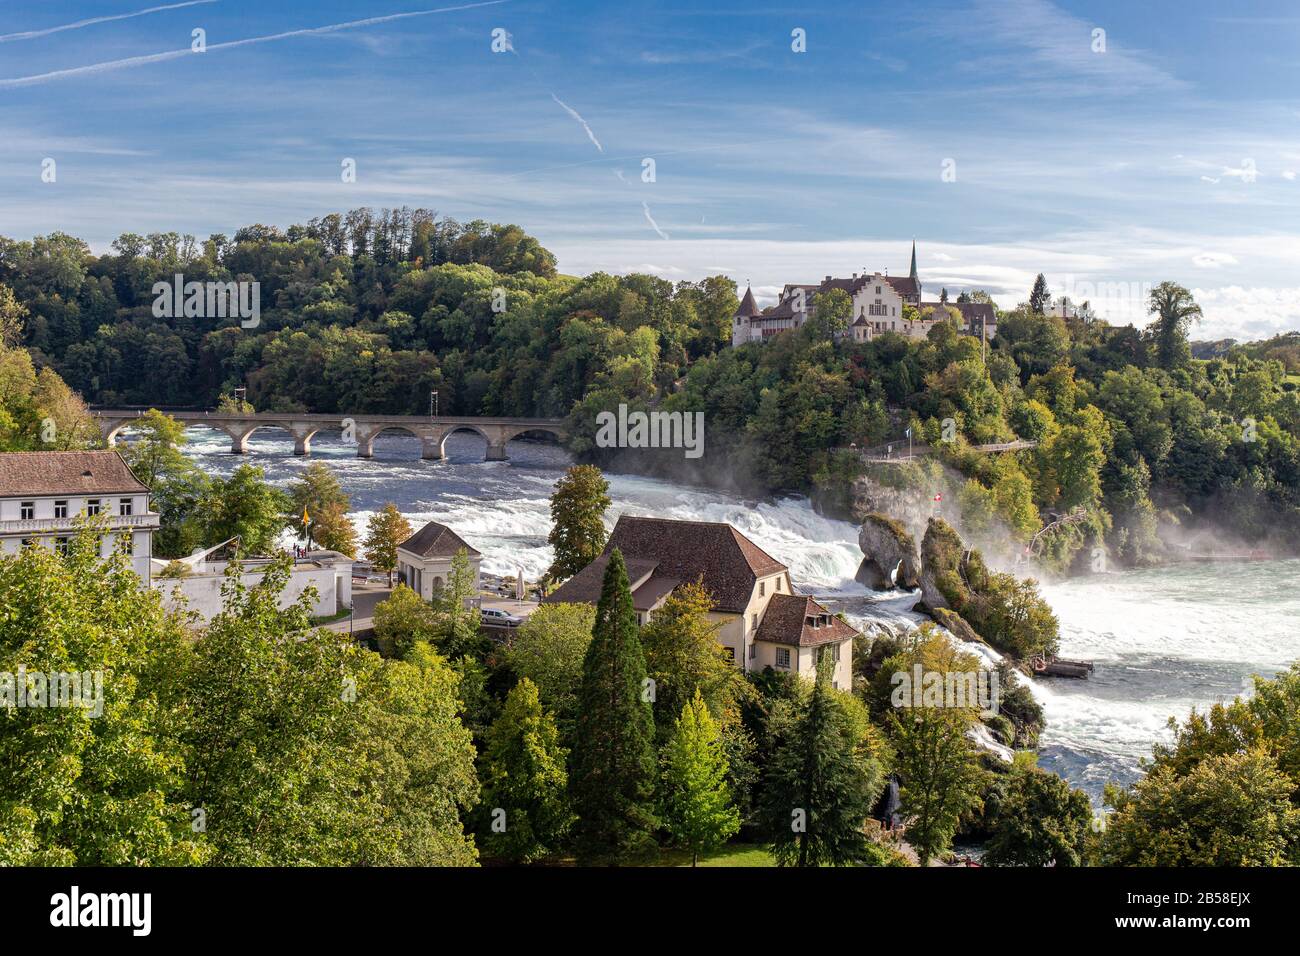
904 285
66 473
747 305
724 560
786 622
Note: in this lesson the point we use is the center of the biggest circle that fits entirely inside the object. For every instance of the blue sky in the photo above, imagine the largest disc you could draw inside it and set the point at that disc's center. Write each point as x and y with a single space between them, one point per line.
1173 154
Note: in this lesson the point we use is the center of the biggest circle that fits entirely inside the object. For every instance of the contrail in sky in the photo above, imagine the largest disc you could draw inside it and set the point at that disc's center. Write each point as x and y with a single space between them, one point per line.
510 48
651 219
574 113
104 67
32 34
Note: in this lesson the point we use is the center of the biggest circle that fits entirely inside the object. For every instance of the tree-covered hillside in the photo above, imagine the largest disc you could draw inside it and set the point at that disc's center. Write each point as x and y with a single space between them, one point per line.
368 312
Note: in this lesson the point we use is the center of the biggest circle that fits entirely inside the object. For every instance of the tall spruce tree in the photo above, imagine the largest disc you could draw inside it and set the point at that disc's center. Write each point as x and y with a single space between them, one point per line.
613 762
819 786
1039 297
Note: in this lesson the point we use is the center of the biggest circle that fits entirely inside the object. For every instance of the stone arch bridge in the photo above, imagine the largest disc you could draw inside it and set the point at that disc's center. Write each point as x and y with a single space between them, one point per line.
363 429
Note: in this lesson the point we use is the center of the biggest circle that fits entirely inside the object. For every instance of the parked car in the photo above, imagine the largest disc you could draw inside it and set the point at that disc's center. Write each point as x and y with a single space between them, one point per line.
498 618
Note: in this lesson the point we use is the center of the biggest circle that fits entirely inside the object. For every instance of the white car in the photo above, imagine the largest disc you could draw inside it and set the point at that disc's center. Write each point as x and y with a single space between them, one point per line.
499 618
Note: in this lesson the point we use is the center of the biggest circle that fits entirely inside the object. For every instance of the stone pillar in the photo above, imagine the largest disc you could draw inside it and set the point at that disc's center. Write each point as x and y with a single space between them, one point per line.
239 444
496 451
302 444
431 449
366 447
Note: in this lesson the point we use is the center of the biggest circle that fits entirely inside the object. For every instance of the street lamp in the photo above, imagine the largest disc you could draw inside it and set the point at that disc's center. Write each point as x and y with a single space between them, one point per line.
433 404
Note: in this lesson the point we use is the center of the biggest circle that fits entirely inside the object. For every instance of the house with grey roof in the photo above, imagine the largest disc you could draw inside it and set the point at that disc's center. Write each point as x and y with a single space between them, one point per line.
424 559
761 621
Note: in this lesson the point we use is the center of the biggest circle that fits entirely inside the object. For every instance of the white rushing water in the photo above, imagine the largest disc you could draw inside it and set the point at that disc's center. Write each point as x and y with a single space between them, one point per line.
1164 640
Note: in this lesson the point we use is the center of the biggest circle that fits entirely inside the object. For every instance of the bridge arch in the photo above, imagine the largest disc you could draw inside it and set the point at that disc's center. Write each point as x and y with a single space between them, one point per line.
557 432
366 439
240 432
474 429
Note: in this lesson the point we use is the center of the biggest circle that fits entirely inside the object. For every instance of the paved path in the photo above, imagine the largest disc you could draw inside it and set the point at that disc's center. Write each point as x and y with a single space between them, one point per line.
364 599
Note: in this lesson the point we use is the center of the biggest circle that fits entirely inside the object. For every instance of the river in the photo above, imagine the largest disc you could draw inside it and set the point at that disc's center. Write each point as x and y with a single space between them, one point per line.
1164 640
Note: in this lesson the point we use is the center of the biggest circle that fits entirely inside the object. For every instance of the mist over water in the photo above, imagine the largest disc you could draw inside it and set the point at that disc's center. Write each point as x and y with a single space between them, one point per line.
1164 640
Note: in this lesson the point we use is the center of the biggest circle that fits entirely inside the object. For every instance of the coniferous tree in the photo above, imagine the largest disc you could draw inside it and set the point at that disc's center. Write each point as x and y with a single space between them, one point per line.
613 766
1039 296
697 806
524 783
819 786
577 515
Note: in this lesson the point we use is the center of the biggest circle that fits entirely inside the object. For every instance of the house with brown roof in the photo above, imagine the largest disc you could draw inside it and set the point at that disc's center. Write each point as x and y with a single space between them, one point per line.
424 559
44 493
762 622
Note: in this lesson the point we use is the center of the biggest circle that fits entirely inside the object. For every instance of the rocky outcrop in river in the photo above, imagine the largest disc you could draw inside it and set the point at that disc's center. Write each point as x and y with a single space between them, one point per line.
890 559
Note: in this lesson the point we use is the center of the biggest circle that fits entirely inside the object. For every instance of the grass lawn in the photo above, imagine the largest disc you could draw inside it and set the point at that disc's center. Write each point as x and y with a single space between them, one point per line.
733 854
739 854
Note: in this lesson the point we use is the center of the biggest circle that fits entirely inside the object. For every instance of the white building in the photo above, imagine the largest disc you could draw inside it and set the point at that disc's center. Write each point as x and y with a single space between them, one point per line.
43 493
197 586
881 303
878 306
424 559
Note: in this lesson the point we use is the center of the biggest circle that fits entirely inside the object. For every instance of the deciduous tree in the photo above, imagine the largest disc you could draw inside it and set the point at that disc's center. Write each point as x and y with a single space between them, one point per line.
577 520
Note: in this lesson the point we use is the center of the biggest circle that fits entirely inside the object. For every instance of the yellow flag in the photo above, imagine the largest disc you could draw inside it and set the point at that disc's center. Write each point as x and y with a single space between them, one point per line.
306 518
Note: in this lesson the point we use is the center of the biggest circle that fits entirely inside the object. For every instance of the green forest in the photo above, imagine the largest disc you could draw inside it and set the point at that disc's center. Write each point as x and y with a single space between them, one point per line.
368 311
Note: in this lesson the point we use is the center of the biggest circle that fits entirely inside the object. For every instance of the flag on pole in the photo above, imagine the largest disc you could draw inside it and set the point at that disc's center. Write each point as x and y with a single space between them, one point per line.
938 497
306 518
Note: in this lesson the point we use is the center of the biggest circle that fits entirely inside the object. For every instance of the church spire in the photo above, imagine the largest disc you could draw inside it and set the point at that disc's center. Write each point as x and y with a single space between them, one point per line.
913 273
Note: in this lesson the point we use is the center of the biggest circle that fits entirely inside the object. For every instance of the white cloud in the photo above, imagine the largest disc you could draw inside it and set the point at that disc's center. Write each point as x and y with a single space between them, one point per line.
1247 312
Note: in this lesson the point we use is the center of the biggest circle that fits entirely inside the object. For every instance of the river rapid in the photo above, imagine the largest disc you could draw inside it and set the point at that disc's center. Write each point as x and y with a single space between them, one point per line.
1164 640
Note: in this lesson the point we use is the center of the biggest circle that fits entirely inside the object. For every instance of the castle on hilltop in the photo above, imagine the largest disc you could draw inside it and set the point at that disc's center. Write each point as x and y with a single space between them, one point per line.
881 303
